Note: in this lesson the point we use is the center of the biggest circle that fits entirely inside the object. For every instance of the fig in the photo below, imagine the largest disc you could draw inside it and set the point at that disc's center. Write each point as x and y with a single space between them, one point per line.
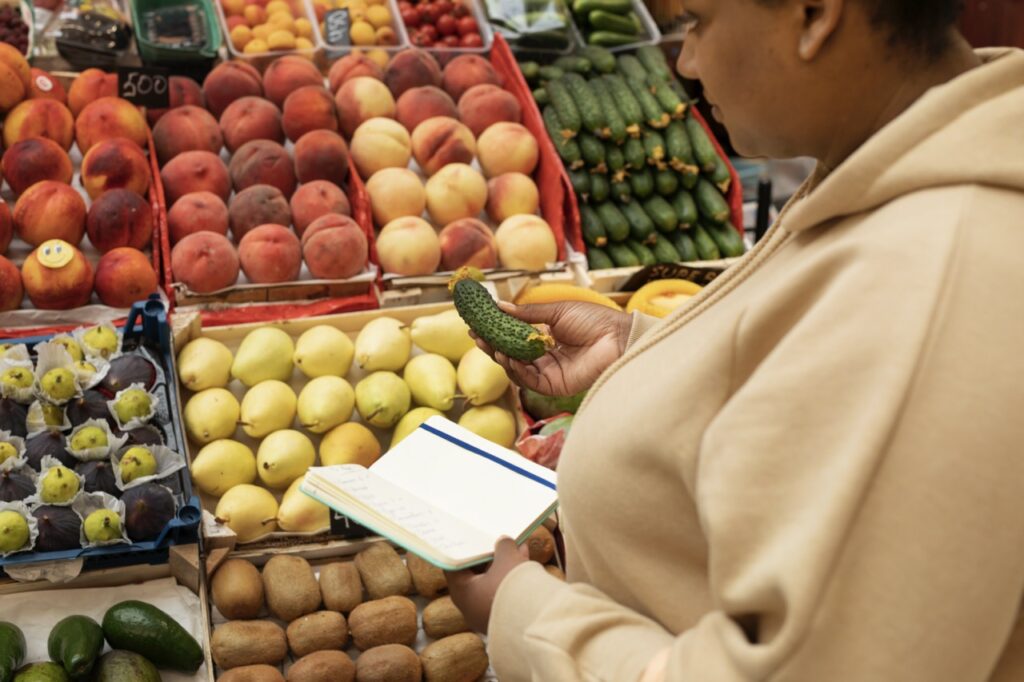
15 486
92 405
125 371
99 477
60 528
143 435
148 508
12 417
51 443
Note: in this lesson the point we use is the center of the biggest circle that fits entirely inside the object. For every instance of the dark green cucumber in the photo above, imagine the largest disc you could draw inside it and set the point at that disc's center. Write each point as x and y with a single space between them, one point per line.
631 68
598 259
630 109
600 188
689 177
580 180
654 146
622 256
684 245
601 20
666 97
662 213
666 183
146 630
549 73
706 247
622 192
12 650
615 224
721 177
664 251
642 253
710 202
502 332
654 115
76 642
617 6
601 59
642 182
568 150
565 106
591 226
612 115
685 208
727 239
703 149
636 155
616 161
654 61
540 96
531 71
590 109
641 227
610 39
593 152
572 63
678 148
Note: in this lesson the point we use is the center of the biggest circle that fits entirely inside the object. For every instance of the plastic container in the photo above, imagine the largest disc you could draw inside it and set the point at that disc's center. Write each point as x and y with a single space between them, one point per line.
260 60
335 52
445 54
650 35
521 45
153 52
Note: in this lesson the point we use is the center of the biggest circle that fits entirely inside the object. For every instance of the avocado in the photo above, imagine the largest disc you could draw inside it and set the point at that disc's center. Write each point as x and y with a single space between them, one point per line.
42 672
146 630
12 650
124 666
75 643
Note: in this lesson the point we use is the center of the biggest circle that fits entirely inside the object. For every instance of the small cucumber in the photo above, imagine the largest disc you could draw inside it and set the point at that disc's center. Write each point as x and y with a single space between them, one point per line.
570 63
654 115
667 98
601 59
654 146
600 188
586 102
567 149
610 39
706 247
631 68
76 642
689 177
501 331
593 152
664 251
617 6
685 208
642 253
641 227
598 259
654 61
531 71
666 183
616 162
565 107
593 229
663 215
642 182
703 149
678 148
600 20
710 203
12 650
721 177
684 245
146 630
549 73
580 180
615 224
630 109
727 239
622 192
540 96
636 155
612 115
622 256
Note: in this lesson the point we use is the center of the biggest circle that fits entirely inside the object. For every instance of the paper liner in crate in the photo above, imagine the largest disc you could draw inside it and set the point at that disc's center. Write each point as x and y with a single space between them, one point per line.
114 443
48 465
52 356
35 419
21 509
18 460
137 421
167 462
16 354
87 503
90 351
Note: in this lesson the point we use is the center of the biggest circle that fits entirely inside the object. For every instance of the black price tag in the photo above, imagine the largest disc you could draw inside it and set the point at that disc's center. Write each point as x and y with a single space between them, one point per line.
336 25
144 86
701 276
342 526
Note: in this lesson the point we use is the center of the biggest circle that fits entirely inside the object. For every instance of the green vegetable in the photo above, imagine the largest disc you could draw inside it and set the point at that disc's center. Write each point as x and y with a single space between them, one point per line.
642 253
677 146
610 39
593 152
641 227
555 39
631 68
540 96
630 109
565 107
689 177
684 245
664 251
593 229
703 149
42 672
531 71
597 259
615 224
642 182
570 63
587 6
622 192
616 124
616 162
549 73
76 642
600 188
654 145
666 183
146 630
720 176
601 59
710 202
635 154
622 256
501 331
685 208
600 20
727 239
653 60
668 99
663 215
654 115
586 103
706 247
580 180
567 149
122 666
12 650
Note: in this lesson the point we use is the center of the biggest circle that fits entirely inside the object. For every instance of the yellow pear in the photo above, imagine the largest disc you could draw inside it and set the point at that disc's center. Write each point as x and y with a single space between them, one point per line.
445 334
249 511
411 421
480 378
211 414
265 353
383 344
431 379
267 407
326 402
300 513
282 457
491 422
324 351
72 347
101 341
204 363
382 398
350 443
221 465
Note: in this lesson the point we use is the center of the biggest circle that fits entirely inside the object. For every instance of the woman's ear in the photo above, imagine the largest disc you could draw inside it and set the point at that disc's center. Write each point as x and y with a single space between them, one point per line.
820 19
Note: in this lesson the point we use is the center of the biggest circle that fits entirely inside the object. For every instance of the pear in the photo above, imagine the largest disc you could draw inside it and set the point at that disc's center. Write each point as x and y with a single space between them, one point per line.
211 415
383 344
350 443
282 457
300 513
85 369
480 378
249 511
53 415
89 437
103 525
72 347
221 465
137 462
17 377
204 363
491 422
7 451
411 421
326 402
4 347
59 384
267 407
59 485
431 379
13 531
382 398
101 341
265 353
135 403
324 351
445 334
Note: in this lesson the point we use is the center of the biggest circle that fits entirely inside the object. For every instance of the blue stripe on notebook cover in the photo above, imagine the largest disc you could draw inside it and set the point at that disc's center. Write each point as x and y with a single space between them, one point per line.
497 460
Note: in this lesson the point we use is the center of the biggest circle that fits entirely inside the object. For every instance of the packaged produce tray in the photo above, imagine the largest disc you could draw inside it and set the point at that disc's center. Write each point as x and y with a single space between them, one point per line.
534 30
153 52
260 60
647 32
344 45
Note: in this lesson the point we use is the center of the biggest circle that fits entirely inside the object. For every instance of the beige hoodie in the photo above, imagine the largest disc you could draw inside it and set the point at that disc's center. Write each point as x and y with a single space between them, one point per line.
815 472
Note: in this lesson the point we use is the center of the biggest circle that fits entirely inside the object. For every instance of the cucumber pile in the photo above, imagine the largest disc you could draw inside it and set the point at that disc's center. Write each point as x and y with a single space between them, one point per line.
608 23
649 182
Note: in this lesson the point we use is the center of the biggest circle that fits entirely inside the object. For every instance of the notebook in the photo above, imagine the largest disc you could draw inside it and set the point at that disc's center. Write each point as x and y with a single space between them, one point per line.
443 493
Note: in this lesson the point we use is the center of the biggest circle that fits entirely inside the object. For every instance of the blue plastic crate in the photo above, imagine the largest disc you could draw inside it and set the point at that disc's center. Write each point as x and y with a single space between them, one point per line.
146 327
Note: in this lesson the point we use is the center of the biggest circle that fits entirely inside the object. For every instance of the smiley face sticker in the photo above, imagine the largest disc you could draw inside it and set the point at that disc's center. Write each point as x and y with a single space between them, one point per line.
55 253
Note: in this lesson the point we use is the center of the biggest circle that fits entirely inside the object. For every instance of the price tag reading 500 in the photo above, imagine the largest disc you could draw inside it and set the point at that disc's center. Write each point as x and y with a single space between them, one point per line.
145 87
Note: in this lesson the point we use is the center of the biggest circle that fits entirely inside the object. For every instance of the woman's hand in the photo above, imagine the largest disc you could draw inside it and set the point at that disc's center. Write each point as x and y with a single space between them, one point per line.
588 338
474 593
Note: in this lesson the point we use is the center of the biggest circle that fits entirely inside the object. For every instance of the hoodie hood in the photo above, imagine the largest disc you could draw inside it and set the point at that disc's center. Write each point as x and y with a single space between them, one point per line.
967 131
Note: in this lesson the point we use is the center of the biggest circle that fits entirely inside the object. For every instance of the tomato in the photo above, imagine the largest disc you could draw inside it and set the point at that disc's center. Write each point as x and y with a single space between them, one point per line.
460 10
468 25
429 32
450 41
471 40
411 16
446 25
421 39
445 6
403 4
432 12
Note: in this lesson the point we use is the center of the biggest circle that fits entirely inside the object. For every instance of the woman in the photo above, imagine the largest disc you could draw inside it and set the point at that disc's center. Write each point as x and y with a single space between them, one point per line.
814 471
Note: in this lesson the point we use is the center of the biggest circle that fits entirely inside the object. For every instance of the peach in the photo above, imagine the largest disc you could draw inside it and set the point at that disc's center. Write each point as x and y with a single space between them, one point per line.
380 143
197 212
468 242
11 291
263 162
411 68
270 254
484 105
361 99
34 160
309 108
124 276
465 71
338 250
50 210
56 276
110 117
195 172
230 81
89 86
395 192
16 61
507 148
6 226
15 77
45 86
351 66
40 118
115 163
321 155
511 194
409 246
182 91
315 199
204 262
327 221
526 242
250 118
440 141
418 104
186 129
119 218
257 205
287 74
456 191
